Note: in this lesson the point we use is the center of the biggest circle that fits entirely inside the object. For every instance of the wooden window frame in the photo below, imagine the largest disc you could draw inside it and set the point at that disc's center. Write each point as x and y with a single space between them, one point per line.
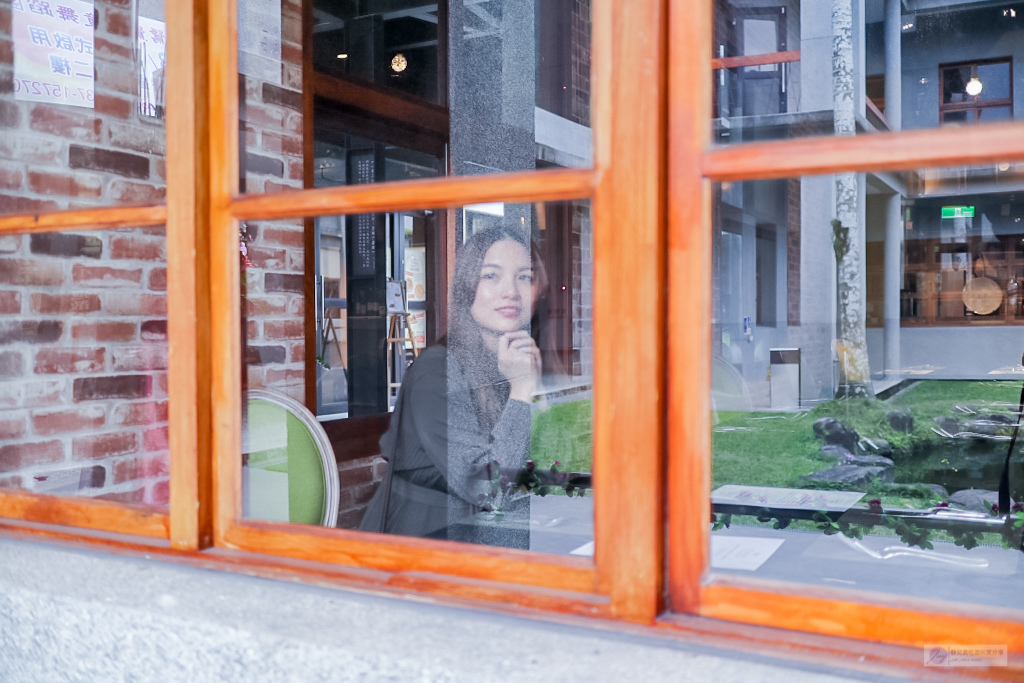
694 164
974 109
625 186
651 527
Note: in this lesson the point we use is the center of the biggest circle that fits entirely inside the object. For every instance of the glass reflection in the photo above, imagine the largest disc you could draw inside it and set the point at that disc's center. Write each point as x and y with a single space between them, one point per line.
461 411
789 68
867 381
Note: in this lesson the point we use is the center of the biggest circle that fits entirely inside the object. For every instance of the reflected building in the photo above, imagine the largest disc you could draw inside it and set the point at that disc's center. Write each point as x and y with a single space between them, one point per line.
924 244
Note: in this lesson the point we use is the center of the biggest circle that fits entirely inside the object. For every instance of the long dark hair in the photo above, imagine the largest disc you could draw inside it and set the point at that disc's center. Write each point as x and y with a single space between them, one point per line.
488 387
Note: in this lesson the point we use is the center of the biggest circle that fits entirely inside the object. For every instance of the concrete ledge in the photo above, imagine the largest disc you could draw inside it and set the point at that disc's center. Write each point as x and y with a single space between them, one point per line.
78 615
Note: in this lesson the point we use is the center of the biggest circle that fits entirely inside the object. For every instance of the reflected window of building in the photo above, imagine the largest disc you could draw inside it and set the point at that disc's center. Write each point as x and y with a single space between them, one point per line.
976 91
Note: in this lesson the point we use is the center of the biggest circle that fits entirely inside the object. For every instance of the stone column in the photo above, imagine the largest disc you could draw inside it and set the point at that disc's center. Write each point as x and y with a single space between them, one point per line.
848 232
894 64
893 283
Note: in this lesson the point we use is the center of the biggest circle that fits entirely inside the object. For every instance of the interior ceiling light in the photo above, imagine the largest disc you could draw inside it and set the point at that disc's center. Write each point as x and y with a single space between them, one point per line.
1012 13
399 63
973 87
343 55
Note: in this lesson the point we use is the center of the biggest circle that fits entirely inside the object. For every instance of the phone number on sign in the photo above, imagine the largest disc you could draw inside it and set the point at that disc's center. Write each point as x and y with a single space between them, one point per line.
23 85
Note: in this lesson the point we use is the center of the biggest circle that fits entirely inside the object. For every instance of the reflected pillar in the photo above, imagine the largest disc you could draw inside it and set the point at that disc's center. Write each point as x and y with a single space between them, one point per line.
893 69
893 284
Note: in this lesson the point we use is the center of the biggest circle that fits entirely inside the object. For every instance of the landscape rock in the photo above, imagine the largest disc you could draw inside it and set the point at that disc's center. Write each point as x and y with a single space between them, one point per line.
854 476
869 461
832 431
982 427
998 418
875 446
836 451
900 421
939 489
977 500
950 425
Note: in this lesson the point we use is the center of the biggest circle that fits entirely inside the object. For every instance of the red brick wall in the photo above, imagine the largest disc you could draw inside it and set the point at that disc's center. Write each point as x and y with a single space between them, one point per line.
83 364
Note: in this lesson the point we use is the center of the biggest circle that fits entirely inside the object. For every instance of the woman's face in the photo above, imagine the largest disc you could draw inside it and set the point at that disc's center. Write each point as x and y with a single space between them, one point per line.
504 294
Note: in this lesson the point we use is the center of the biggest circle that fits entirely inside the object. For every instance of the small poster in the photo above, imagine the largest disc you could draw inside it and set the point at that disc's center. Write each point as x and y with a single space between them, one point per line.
794 499
418 321
416 273
53 51
152 40
259 39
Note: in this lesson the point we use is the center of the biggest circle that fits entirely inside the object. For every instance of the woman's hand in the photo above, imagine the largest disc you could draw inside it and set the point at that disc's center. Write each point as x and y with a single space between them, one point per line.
519 361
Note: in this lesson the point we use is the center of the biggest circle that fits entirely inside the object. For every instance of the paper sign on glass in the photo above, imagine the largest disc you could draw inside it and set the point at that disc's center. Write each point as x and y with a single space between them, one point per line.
53 51
793 499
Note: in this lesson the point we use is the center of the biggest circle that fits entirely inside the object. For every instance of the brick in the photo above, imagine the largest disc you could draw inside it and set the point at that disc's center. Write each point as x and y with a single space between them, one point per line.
30 332
123 192
154 330
139 414
10 114
297 353
55 361
13 428
118 23
6 50
130 303
12 483
265 355
15 204
252 330
67 245
20 455
147 467
284 329
113 107
276 95
33 150
282 144
297 307
134 497
296 170
159 493
264 307
351 519
105 276
78 479
10 179
10 302
285 237
285 377
138 358
160 165
42 394
148 140
158 279
60 121
138 249
109 161
156 439
64 304
77 186
63 421
355 476
30 273
97 446
266 258
270 186
291 54
279 282
261 117
112 50
254 163
103 331
118 386
117 76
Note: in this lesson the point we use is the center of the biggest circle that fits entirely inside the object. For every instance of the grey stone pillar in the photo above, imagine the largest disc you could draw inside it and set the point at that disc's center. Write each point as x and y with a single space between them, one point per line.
894 64
893 283
855 379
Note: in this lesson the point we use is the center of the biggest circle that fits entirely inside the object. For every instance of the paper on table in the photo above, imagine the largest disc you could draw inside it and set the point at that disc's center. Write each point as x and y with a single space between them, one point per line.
794 499
741 552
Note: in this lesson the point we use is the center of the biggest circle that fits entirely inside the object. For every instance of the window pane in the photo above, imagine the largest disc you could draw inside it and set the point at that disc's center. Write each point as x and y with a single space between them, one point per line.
412 90
792 69
81 105
479 397
83 364
860 440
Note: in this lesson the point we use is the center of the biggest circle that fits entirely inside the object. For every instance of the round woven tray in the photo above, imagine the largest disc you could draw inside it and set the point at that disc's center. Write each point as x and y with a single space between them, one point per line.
983 295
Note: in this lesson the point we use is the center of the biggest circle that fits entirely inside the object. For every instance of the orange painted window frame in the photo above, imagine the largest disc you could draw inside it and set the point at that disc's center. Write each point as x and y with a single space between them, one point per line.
625 186
693 164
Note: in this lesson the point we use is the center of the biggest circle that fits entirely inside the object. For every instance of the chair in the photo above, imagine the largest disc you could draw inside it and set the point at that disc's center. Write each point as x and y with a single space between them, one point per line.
289 473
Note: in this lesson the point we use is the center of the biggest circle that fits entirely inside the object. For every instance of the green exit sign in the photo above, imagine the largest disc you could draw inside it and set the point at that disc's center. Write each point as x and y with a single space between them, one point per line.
958 212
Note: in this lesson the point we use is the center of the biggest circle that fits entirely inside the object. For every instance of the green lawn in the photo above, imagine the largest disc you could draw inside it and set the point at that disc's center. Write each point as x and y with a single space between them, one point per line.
766 449
564 432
